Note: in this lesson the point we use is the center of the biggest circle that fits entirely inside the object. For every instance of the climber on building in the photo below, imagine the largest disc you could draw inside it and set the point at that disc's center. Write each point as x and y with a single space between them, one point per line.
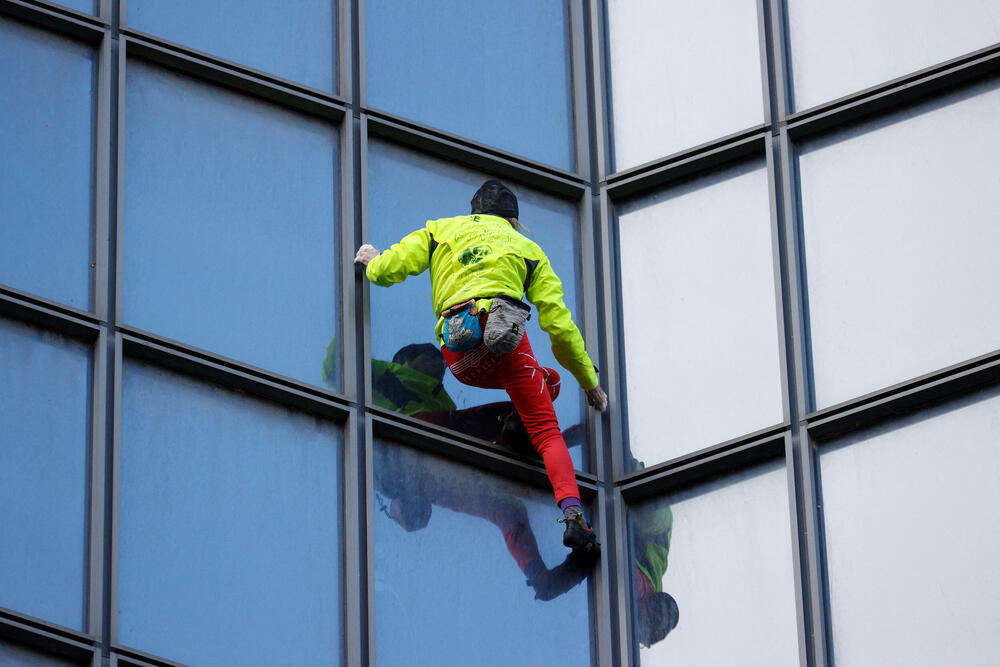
480 266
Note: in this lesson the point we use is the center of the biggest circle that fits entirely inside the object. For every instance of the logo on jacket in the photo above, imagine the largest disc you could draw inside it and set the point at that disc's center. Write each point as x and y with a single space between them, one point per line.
473 255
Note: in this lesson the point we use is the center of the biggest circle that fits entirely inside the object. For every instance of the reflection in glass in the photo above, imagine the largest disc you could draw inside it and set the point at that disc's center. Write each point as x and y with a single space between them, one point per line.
12 654
910 511
406 189
230 526
44 425
700 317
899 218
682 73
838 48
461 569
230 223
46 163
294 40
730 574
496 72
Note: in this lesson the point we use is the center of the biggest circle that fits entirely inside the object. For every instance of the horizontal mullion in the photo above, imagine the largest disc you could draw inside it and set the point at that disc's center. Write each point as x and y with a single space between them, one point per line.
230 373
49 314
36 633
129 656
232 75
54 17
687 163
477 156
461 448
897 92
905 398
691 468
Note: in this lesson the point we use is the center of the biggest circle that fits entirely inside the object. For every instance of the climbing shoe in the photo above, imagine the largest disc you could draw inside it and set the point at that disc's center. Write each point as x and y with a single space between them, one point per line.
578 536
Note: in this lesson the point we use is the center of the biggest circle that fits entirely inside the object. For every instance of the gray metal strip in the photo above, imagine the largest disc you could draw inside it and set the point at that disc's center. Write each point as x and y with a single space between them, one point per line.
800 396
99 409
355 583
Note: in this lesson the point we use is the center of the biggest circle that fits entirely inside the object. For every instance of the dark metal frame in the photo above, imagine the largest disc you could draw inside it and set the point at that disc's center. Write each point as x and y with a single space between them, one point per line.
597 189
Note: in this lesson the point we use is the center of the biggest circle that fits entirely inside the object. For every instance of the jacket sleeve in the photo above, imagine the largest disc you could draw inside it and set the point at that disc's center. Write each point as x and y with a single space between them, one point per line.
409 257
545 291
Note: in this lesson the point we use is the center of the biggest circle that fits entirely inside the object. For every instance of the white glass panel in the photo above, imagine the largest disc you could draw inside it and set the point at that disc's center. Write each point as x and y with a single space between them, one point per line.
700 319
682 73
901 241
842 47
730 573
911 513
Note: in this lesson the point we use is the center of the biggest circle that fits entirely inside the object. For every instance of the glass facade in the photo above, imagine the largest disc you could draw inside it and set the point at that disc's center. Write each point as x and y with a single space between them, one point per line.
219 444
707 55
47 99
442 530
705 562
909 514
696 267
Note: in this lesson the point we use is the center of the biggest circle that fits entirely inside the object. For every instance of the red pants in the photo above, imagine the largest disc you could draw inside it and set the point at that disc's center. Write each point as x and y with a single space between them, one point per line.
531 389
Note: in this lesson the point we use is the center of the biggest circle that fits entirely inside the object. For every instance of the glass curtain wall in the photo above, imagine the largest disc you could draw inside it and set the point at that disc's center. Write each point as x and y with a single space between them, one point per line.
219 444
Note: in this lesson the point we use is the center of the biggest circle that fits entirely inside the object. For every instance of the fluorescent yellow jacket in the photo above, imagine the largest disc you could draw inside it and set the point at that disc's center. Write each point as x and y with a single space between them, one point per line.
479 257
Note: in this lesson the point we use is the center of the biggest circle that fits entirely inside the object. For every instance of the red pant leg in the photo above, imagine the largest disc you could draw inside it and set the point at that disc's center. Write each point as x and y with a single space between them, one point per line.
531 389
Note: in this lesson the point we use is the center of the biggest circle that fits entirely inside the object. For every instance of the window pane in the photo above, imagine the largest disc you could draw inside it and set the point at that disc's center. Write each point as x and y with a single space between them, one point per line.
700 319
230 223
44 437
46 174
682 74
496 72
405 190
730 574
841 47
230 526
89 6
900 239
910 511
12 654
450 570
293 40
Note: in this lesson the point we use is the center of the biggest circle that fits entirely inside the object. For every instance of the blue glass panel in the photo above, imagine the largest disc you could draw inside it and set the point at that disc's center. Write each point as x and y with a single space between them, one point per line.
46 172
405 190
12 654
230 526
470 569
230 223
293 40
44 436
713 573
88 6
496 72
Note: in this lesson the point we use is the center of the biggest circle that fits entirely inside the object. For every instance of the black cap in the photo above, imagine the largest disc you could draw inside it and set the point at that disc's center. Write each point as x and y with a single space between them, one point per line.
495 198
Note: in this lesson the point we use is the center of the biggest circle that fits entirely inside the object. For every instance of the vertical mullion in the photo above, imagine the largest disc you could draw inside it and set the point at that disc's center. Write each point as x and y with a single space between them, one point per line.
807 515
109 635
100 294
790 388
97 497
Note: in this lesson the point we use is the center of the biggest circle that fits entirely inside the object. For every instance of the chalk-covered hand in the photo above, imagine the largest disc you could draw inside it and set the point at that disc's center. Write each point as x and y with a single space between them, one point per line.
597 399
366 253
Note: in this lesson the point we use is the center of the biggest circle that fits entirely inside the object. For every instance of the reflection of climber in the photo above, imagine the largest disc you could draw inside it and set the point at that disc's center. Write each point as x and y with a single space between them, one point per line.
480 267
415 485
658 613
412 382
